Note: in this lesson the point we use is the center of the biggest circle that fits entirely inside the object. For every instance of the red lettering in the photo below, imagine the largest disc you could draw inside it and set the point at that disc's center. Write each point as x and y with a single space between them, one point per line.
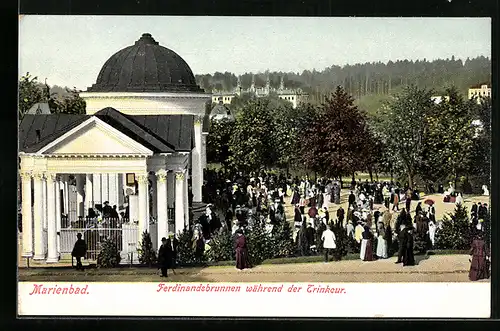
36 289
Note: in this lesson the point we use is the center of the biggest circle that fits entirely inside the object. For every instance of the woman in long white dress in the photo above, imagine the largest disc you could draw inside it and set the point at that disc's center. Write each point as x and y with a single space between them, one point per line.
432 232
381 241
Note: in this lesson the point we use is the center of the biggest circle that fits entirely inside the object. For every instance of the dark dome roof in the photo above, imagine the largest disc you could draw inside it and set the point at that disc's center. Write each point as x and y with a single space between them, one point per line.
145 67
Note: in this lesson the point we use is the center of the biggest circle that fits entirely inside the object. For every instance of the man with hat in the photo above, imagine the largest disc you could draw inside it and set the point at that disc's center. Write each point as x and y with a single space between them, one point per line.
107 210
340 215
165 256
79 251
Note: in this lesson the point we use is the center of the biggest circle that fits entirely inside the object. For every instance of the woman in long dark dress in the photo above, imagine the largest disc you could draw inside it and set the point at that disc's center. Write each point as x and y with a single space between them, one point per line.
242 260
479 266
408 256
367 241
302 242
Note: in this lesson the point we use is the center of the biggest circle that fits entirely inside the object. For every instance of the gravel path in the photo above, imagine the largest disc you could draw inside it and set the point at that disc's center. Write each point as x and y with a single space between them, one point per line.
437 268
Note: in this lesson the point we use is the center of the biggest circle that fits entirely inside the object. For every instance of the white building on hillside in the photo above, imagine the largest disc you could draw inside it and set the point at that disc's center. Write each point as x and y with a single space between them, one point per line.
480 91
292 96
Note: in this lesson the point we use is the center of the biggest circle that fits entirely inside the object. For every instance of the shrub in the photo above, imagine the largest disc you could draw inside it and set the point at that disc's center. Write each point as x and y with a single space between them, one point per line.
109 256
147 255
260 245
420 244
353 246
185 248
221 247
455 232
282 240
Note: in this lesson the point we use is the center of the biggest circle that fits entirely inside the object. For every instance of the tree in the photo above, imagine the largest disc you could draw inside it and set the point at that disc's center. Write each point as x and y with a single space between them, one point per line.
336 140
185 248
456 232
238 102
404 127
71 103
481 158
30 93
147 255
449 142
251 143
458 116
109 256
287 123
218 141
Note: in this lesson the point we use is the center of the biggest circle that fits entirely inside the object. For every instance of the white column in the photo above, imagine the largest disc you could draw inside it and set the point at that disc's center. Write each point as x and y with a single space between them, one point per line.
58 213
171 189
204 150
96 186
27 215
44 201
161 195
89 193
179 202
80 182
186 199
66 194
142 180
52 255
197 169
45 212
104 188
38 217
154 202
113 189
121 193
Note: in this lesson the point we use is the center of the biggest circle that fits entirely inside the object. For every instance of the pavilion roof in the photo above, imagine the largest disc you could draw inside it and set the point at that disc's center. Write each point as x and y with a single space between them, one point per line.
160 133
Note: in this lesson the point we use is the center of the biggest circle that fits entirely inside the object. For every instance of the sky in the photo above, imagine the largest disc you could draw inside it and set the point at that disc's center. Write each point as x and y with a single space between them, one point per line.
70 50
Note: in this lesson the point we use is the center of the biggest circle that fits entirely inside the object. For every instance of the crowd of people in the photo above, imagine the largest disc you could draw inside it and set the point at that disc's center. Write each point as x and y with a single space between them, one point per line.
373 221
374 218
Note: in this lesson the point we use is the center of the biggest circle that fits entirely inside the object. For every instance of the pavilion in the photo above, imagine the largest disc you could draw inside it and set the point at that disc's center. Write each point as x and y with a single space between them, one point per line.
142 138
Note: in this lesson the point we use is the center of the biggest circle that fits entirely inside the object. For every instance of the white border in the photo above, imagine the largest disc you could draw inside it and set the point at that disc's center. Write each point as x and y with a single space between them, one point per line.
389 300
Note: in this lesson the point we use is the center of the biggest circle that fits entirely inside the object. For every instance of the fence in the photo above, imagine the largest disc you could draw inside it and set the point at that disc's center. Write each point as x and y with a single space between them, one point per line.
95 237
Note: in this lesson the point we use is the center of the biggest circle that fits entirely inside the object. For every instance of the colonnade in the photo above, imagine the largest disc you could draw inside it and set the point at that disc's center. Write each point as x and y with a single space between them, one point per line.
41 212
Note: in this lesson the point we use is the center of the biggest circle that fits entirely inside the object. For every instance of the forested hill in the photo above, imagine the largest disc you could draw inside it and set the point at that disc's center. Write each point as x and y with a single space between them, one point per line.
375 78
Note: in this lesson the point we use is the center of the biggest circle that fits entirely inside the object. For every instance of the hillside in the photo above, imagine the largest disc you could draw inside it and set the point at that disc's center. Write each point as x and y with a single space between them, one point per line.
365 79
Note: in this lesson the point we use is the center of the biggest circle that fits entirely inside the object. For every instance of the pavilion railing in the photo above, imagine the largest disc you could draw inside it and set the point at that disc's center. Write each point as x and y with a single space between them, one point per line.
95 237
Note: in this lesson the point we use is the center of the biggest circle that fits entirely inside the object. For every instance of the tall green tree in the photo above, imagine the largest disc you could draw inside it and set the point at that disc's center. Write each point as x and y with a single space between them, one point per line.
287 124
337 138
404 126
251 143
457 115
218 141
481 158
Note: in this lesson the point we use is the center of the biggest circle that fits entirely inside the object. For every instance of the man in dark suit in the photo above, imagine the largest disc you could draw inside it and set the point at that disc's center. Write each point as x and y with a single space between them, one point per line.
352 199
165 255
107 210
340 215
79 251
